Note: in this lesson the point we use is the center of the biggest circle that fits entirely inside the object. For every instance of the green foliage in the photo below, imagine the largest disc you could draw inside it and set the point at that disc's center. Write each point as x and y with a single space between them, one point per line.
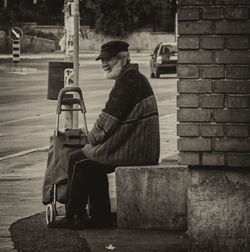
118 18
32 32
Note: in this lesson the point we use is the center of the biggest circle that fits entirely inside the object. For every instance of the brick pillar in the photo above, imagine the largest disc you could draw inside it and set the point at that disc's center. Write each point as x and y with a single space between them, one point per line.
214 121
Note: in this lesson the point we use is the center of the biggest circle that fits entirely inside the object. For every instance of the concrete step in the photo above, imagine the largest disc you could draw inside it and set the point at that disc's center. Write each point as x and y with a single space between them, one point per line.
152 197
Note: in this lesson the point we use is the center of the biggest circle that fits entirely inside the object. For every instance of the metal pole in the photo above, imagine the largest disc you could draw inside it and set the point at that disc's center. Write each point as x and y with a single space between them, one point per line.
76 53
5 4
69 40
176 21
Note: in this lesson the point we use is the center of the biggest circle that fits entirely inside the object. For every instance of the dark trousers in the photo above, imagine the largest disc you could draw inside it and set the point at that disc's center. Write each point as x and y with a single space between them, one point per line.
89 183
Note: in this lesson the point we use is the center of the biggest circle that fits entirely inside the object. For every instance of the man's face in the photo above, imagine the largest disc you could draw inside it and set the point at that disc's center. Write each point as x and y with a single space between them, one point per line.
111 67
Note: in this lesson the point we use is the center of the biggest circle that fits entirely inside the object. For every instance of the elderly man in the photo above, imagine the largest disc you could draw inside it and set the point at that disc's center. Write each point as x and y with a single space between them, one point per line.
125 133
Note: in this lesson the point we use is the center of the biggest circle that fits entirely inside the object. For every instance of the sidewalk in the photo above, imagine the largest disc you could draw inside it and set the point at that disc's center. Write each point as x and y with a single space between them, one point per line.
20 195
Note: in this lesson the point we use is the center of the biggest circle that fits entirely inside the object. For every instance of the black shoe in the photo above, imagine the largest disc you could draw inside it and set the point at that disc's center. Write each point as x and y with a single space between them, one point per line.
62 223
81 224
71 223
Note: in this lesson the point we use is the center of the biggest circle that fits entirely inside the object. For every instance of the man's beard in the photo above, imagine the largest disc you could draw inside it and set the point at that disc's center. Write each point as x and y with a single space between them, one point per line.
116 70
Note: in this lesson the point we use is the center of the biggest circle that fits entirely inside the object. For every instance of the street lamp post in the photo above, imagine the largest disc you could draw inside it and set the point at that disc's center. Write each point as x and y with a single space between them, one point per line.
71 33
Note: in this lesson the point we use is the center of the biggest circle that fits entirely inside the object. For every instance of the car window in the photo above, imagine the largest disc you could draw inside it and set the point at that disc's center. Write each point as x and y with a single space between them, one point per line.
165 49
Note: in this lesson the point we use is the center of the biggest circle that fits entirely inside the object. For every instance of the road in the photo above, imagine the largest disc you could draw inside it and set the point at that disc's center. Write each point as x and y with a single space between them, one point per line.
28 117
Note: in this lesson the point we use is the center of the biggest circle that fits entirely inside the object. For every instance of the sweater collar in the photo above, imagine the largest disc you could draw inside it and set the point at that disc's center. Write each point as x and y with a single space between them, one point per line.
127 67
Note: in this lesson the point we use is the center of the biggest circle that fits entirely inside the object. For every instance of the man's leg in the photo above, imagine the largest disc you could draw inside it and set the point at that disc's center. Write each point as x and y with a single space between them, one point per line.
79 189
100 209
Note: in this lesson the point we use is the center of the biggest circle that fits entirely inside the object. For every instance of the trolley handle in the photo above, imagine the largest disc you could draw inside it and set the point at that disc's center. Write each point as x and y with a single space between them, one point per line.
80 101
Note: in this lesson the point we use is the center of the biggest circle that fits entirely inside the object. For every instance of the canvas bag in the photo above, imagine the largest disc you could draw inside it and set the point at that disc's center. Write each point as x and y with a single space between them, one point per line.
60 148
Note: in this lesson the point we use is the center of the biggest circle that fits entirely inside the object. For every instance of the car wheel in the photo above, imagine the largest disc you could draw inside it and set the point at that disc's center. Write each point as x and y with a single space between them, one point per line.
152 75
157 73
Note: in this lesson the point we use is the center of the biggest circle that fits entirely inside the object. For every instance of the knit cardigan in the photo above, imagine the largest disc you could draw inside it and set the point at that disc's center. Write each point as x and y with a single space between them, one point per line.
127 130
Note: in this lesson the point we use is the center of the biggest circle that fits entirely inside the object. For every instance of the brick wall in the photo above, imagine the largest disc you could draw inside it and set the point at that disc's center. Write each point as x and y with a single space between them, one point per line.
214 82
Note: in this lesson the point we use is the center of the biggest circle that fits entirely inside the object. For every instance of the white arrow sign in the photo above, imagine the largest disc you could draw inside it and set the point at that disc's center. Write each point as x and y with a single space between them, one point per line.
16 34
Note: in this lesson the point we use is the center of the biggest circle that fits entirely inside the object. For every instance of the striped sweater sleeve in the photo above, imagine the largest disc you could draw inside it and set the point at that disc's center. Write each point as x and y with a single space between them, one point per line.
103 128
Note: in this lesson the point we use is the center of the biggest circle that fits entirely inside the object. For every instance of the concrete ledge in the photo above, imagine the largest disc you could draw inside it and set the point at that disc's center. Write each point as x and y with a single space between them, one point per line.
152 197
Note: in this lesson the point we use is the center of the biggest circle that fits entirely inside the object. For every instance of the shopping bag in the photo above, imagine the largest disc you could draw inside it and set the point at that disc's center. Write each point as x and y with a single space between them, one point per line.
60 148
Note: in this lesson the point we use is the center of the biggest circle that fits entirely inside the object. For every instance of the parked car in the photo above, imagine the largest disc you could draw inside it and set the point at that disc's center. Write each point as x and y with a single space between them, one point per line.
163 60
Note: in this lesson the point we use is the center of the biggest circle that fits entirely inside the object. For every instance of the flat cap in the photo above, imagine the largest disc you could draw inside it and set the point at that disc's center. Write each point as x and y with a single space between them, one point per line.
112 48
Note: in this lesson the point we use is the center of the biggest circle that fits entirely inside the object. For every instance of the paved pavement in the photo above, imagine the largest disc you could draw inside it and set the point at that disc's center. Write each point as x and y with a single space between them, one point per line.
21 180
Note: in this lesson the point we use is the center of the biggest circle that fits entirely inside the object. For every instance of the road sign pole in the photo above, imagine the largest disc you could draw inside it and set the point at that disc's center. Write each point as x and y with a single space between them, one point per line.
16 51
76 53
69 40
16 34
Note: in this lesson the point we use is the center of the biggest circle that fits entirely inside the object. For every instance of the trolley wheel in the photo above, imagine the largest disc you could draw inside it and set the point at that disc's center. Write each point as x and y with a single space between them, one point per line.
51 213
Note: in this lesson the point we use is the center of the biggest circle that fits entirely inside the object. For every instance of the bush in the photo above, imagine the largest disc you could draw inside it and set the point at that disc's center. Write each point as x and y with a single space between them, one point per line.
32 32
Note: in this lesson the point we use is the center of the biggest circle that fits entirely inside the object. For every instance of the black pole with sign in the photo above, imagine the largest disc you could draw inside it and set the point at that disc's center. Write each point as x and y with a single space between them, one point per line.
16 34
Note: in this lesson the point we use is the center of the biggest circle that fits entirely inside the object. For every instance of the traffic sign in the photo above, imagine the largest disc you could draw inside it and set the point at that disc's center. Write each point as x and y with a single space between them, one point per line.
16 33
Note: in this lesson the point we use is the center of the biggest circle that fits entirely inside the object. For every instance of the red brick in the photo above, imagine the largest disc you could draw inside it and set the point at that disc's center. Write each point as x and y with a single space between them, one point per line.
238 159
232 115
189 13
188 42
195 86
232 27
196 27
195 57
237 43
212 130
194 144
232 144
238 72
236 13
187 101
232 2
213 72
209 42
212 101
237 130
188 71
195 2
217 159
188 158
188 129
237 87
238 101
232 57
212 13
193 115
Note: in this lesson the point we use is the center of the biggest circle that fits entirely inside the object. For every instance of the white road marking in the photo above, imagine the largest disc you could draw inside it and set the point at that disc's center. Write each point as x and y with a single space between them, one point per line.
22 153
27 118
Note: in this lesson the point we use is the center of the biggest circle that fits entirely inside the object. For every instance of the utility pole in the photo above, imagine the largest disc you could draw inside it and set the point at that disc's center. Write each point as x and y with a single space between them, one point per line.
71 33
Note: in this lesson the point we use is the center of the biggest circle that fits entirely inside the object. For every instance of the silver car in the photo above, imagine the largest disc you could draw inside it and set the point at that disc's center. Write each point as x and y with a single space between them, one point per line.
163 59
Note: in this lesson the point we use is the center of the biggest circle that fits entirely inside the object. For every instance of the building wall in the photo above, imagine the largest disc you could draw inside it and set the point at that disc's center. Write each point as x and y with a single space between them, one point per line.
214 121
214 82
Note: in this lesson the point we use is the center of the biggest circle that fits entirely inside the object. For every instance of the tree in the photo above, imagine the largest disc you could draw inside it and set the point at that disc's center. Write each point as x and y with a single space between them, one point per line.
118 18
